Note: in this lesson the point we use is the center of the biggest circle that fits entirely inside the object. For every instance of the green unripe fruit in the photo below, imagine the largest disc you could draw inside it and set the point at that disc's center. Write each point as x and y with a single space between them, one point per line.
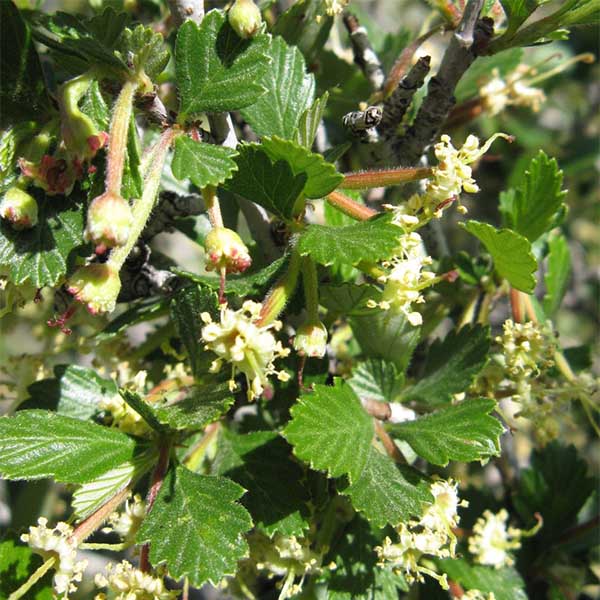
245 18
97 286
225 249
311 340
108 221
19 208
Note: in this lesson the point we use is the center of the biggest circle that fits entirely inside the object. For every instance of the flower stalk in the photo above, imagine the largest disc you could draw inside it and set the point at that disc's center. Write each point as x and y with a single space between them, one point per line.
383 178
350 207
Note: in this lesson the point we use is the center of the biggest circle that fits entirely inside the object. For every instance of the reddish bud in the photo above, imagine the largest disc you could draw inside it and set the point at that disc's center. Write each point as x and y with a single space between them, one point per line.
225 249
19 209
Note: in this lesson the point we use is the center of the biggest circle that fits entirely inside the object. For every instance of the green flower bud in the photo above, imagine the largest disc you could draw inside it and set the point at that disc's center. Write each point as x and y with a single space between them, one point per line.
97 286
225 249
311 340
245 18
108 221
19 208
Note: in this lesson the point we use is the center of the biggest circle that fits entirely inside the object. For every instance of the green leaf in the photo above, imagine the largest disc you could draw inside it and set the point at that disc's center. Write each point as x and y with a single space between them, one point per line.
39 255
240 285
94 494
322 176
74 391
144 50
386 334
217 70
36 444
357 575
538 201
331 431
463 432
372 240
17 563
273 186
186 308
261 462
377 379
196 527
511 253
505 583
204 164
348 299
387 493
22 87
290 91
518 11
144 409
451 366
309 123
558 272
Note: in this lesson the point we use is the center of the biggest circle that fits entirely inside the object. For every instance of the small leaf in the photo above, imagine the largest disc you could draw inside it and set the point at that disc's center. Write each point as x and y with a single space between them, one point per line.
372 241
261 462
144 50
377 379
39 255
451 365
558 272
511 253
539 199
144 409
217 70
290 91
273 186
331 431
36 444
463 432
92 495
74 391
196 527
322 176
518 11
204 164
386 493
309 122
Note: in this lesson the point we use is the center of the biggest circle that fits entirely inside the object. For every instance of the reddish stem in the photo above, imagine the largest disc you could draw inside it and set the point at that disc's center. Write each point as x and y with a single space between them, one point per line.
516 304
384 177
350 207
93 522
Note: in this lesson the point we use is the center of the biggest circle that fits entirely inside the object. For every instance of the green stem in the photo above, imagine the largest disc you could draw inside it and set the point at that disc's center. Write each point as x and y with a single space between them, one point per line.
144 205
109 547
117 137
383 178
350 207
281 292
33 579
213 208
311 288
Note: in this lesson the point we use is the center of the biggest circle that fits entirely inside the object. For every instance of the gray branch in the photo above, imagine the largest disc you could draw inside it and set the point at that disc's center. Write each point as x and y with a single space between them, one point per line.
170 207
181 10
364 54
440 95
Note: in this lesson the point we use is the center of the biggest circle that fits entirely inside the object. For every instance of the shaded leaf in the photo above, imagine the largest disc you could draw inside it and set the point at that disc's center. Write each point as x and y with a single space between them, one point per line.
17 563
377 379
558 272
309 122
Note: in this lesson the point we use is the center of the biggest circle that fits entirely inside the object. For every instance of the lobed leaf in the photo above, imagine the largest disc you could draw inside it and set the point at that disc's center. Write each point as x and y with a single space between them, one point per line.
377 379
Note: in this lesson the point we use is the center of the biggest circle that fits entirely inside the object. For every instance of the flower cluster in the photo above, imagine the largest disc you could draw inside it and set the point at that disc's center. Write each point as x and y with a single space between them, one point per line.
492 540
57 543
250 347
497 94
406 279
335 7
126 524
129 583
430 535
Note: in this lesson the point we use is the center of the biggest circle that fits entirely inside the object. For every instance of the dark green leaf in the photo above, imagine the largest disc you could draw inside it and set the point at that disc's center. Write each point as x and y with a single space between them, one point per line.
463 432
322 176
377 379
517 12
204 164
144 409
386 493
216 69
140 312
17 563
74 391
273 186
511 253
451 365
558 272
35 444
348 299
331 431
261 462
309 123
196 526
371 241
290 91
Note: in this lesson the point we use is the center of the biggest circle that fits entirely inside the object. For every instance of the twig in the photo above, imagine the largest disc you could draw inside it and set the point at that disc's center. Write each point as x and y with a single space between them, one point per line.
364 54
169 208
440 96
388 444
349 207
181 10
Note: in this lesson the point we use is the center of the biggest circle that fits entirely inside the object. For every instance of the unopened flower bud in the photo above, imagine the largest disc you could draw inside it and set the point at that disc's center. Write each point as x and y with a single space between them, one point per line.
19 208
225 248
311 340
108 220
245 18
97 286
